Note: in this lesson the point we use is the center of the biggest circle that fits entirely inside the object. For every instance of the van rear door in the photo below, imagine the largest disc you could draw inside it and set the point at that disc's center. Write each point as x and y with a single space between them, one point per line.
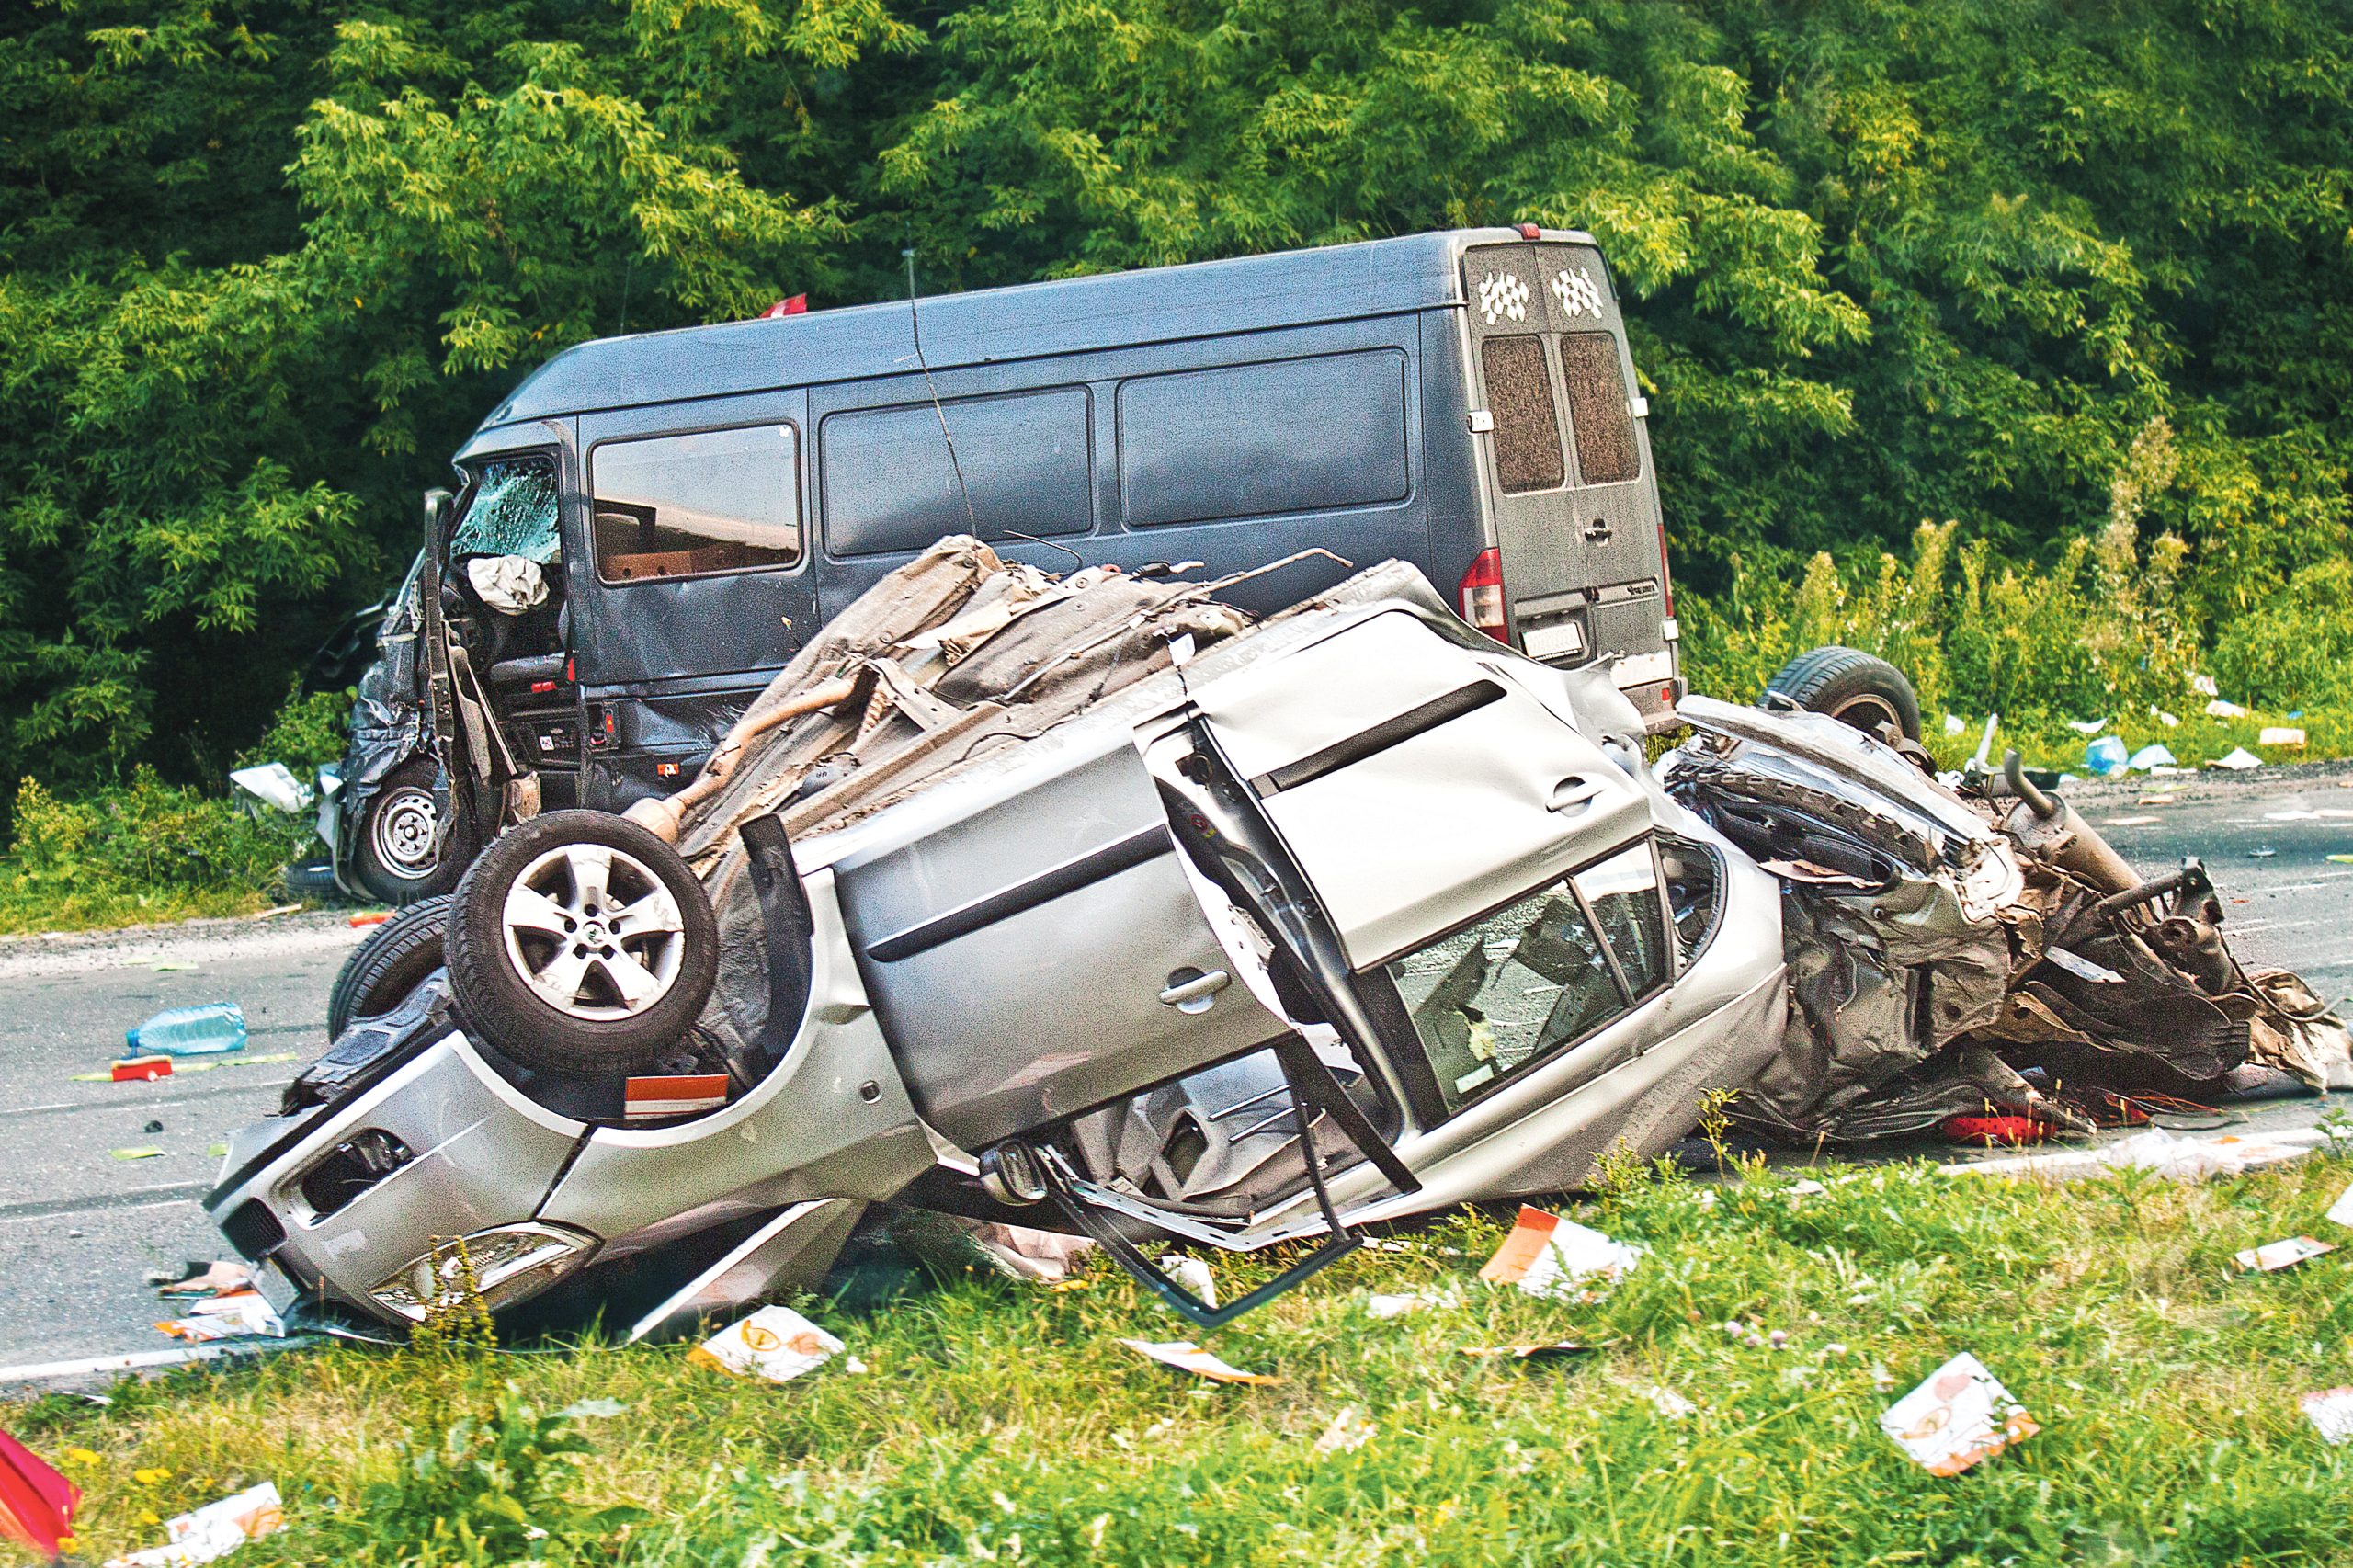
1567 464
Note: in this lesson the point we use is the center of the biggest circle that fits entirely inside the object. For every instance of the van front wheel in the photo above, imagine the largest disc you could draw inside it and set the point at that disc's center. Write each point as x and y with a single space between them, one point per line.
394 852
1852 687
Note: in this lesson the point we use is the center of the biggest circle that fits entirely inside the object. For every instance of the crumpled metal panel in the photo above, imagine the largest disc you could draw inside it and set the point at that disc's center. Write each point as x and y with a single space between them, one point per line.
389 721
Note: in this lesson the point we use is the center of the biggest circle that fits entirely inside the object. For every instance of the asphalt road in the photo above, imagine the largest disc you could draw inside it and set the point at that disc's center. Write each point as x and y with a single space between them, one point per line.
79 1229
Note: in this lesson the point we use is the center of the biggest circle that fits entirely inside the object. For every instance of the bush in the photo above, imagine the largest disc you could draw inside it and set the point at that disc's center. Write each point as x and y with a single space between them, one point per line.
307 732
146 850
2296 653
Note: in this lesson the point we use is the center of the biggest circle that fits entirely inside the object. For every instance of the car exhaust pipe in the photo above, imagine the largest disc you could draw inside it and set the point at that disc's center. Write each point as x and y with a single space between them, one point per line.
2050 826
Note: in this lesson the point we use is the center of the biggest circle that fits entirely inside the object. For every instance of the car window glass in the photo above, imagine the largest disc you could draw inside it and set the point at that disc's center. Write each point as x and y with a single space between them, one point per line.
513 512
1599 416
1519 395
1694 882
1020 467
683 505
1305 434
1506 991
1623 893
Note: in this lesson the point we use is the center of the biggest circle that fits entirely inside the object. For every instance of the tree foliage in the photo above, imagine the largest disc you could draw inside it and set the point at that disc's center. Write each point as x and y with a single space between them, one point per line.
1889 262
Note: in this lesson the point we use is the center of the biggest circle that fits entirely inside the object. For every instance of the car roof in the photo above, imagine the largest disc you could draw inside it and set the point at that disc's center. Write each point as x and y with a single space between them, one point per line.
992 325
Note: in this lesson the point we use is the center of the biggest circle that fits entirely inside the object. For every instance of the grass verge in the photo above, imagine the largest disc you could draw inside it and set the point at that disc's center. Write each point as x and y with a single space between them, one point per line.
1001 1423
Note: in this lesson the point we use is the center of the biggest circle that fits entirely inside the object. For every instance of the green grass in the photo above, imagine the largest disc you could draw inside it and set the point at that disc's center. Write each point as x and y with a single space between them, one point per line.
1003 1422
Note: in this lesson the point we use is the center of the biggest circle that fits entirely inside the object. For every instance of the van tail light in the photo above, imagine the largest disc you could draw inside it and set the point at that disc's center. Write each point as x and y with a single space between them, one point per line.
1665 579
1480 594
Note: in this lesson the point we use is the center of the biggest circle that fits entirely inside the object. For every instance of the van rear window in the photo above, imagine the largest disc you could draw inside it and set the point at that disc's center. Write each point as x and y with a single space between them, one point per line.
1248 440
889 485
1598 415
1519 395
683 505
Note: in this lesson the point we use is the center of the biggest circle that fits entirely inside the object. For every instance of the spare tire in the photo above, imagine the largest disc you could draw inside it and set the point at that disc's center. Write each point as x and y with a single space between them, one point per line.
1852 687
582 943
390 963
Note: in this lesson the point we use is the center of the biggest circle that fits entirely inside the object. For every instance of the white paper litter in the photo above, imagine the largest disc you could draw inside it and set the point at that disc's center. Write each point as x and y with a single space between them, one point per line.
1547 1256
2289 735
1348 1432
1666 1402
2239 760
1954 724
2218 709
273 784
1959 1415
1395 1304
236 1316
1192 1273
2204 685
2272 1256
2184 1159
776 1344
212 1531
2087 727
2331 1412
2341 1212
1188 1357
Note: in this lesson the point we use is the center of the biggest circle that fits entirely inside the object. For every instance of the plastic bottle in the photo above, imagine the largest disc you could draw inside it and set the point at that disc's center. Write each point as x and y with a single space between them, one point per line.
209 1030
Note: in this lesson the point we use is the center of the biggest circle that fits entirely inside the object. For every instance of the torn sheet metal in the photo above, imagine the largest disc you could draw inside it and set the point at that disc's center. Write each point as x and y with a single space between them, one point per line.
1956 951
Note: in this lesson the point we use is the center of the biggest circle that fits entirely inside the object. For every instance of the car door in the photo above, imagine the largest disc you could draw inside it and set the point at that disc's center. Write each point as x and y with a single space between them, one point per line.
1416 782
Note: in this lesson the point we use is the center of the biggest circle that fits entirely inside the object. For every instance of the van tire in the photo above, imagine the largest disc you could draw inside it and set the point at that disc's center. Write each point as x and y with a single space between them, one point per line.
394 960
385 856
1851 686
555 998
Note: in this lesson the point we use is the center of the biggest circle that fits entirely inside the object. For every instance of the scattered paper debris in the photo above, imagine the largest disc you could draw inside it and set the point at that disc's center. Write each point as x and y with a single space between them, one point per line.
198 1277
2331 1412
212 1531
2218 709
144 1153
1348 1432
2239 760
2169 721
1955 724
2203 684
2132 822
2148 759
1192 1273
184 1066
2183 1159
237 1317
2341 860
2272 1256
1665 1401
2162 798
1398 1303
776 1344
1960 1415
1188 1357
1547 1256
2341 1212
2287 735
2087 727
1806 1188
2261 852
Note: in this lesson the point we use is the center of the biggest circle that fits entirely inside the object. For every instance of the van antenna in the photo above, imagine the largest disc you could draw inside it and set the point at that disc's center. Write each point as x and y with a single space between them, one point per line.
915 324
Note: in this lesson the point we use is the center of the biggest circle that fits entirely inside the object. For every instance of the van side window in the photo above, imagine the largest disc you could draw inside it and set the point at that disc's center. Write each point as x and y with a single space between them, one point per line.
1519 395
683 505
889 485
1246 440
1598 415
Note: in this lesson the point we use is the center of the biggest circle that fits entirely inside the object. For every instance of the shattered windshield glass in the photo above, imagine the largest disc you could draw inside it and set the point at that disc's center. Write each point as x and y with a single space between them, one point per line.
512 513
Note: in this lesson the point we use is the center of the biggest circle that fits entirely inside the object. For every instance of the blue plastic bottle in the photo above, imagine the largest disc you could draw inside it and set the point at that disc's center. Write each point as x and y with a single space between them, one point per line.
209 1030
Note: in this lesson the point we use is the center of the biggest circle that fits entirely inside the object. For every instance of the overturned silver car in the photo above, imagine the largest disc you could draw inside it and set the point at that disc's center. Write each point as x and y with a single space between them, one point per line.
1080 905
1086 905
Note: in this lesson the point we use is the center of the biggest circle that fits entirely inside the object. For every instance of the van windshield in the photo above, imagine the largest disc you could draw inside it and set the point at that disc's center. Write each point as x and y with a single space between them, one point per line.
513 512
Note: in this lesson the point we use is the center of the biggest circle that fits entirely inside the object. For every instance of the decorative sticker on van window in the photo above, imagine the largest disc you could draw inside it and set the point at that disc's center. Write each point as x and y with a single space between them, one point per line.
1503 294
1578 294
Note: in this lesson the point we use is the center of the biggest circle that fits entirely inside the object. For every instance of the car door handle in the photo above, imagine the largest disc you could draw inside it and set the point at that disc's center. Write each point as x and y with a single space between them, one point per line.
1187 987
1573 793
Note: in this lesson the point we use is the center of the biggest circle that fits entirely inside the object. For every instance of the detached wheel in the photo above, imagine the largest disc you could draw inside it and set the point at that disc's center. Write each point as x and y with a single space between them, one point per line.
393 854
582 943
392 961
1853 687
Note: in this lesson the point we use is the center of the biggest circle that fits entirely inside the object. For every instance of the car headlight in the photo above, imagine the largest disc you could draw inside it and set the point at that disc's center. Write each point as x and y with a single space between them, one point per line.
508 1262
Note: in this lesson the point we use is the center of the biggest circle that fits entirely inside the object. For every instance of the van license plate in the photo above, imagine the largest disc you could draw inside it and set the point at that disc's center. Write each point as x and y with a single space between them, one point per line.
1644 669
1561 638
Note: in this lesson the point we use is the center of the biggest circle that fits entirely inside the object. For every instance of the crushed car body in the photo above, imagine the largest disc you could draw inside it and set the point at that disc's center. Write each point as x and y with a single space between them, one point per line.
1080 903
1088 904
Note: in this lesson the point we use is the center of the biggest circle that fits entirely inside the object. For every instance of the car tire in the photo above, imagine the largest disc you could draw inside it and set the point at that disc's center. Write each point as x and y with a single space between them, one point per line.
393 853
582 943
390 963
1851 686
310 879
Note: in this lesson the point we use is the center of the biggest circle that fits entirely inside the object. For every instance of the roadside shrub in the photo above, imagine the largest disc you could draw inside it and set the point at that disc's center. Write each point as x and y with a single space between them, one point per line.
306 733
146 850
2296 652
